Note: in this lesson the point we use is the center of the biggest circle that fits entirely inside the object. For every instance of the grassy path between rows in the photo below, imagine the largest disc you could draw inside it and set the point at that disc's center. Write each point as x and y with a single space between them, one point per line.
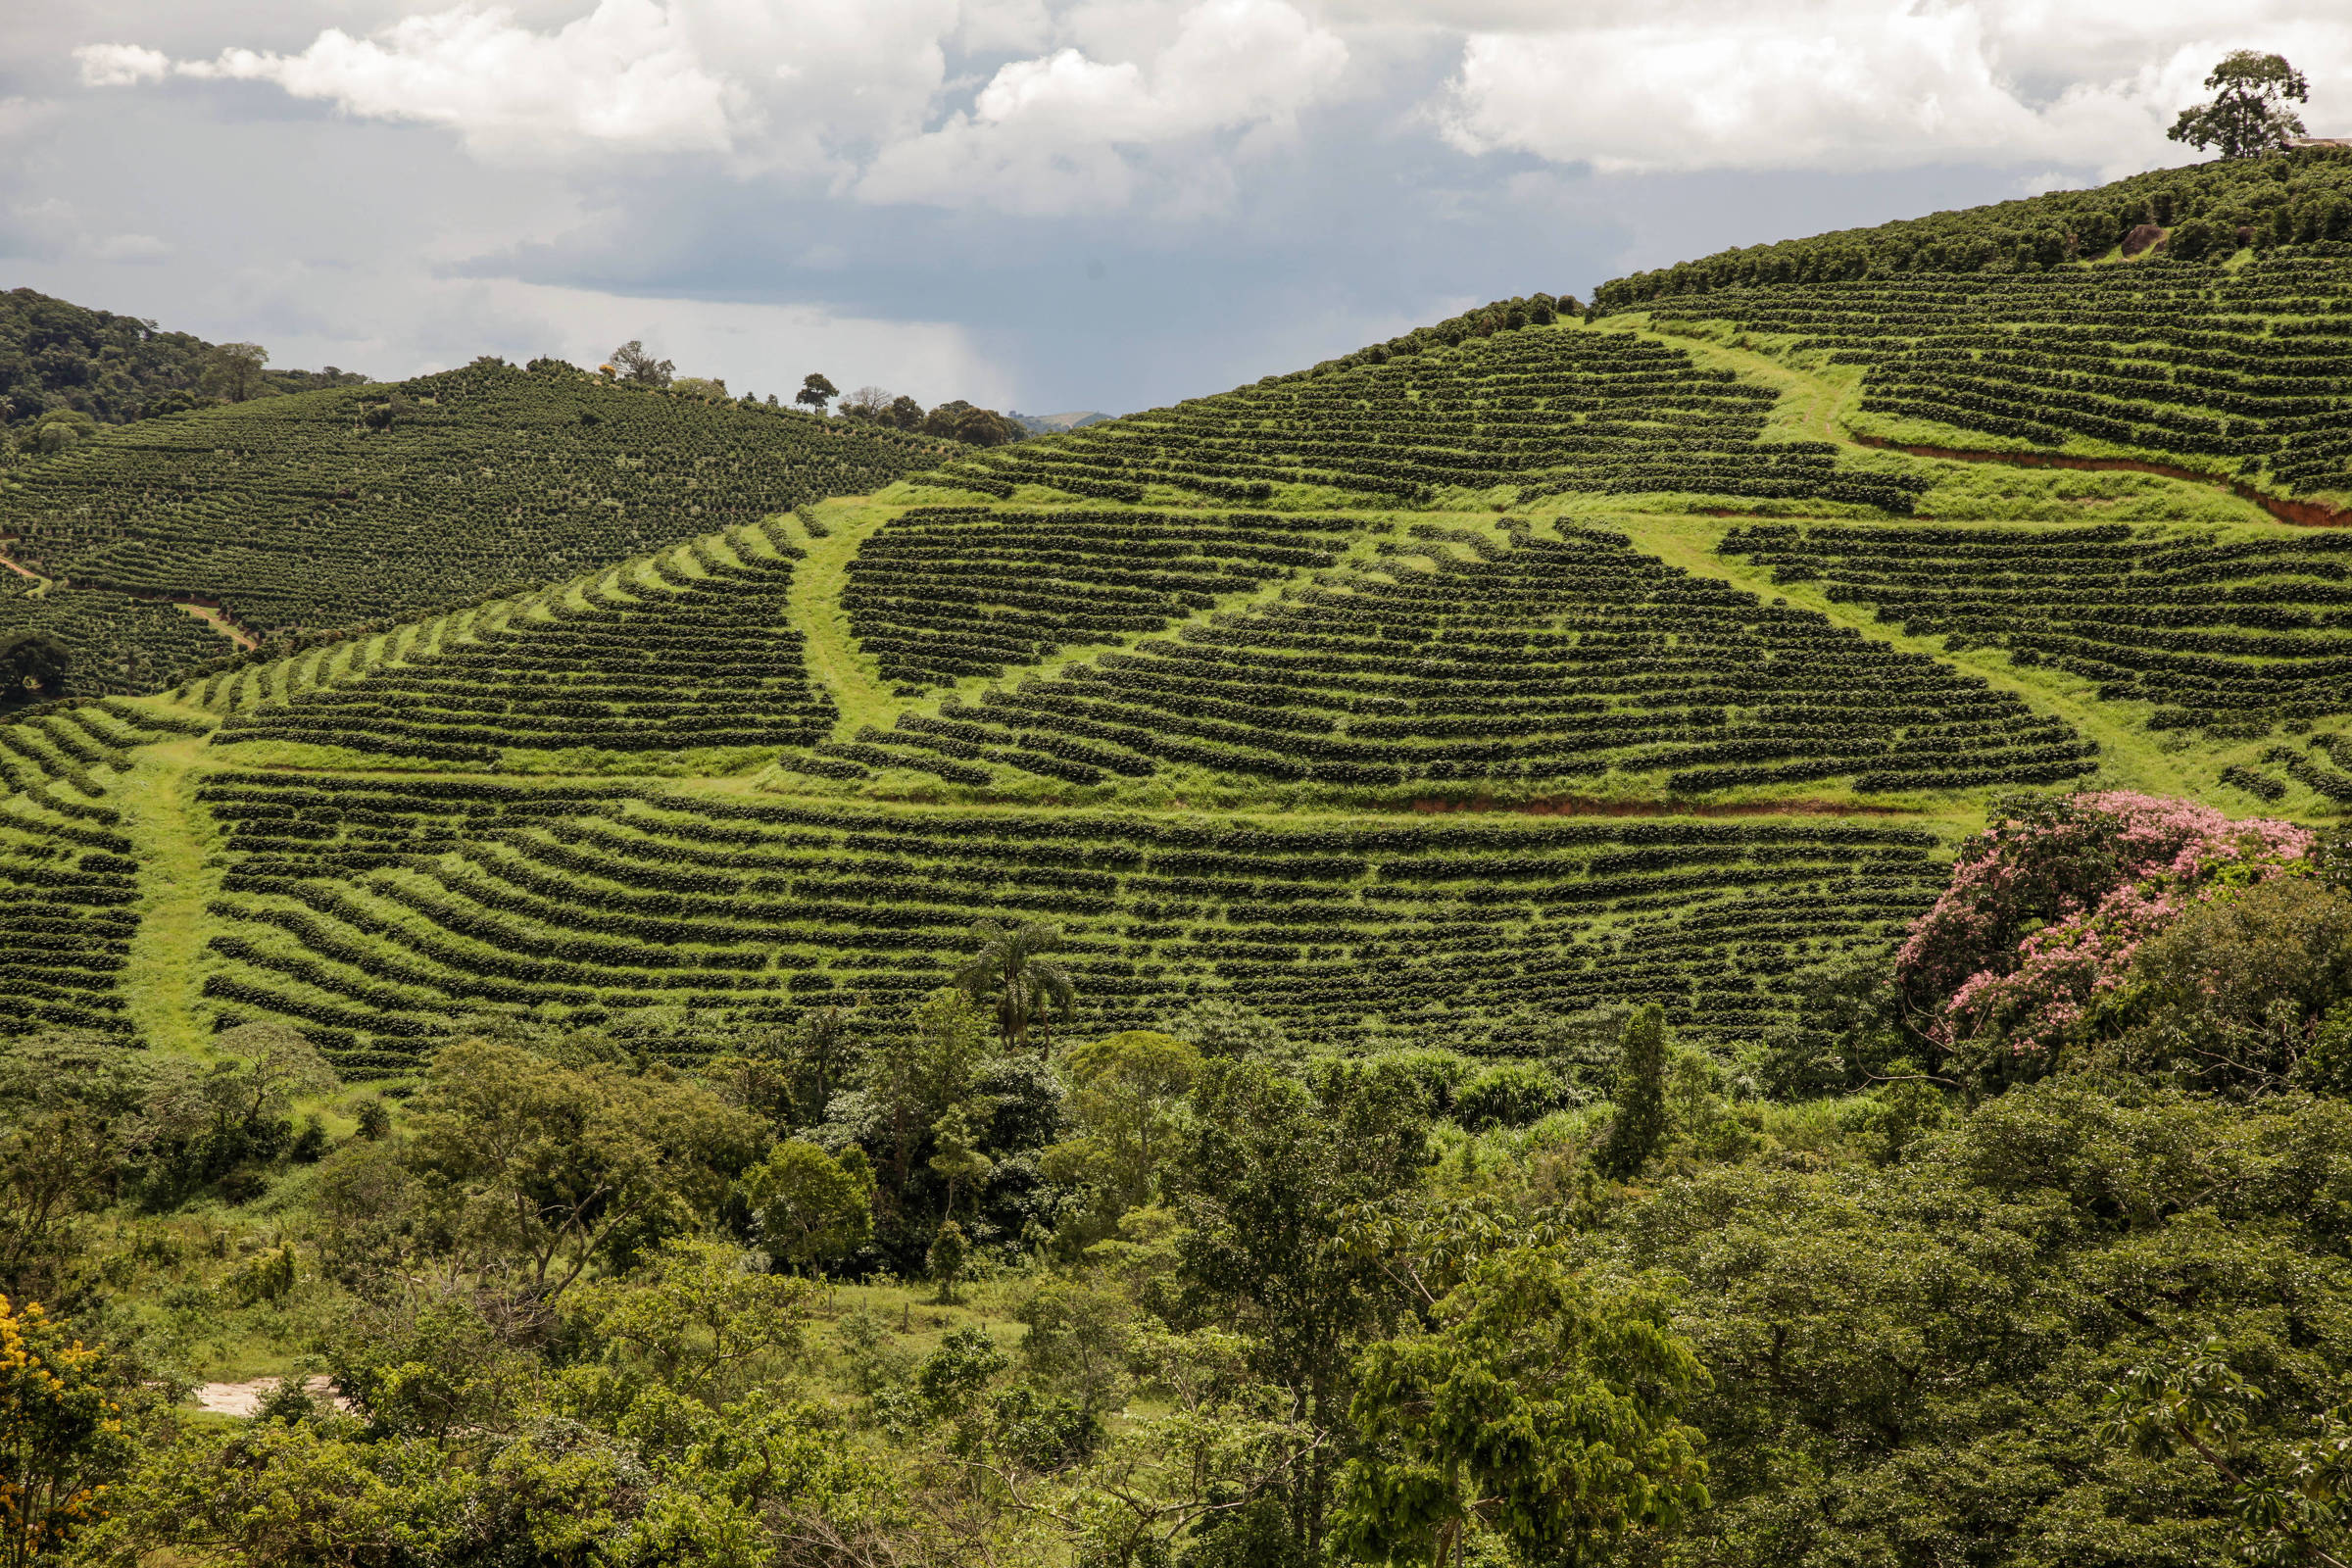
1816 401
864 696
162 985
813 606
2127 756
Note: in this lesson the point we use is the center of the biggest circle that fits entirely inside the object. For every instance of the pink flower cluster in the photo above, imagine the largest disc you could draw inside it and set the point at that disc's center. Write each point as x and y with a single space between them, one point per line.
2039 927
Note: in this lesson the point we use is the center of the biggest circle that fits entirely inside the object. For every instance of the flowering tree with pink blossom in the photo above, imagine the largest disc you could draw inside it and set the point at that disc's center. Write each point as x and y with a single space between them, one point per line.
2032 944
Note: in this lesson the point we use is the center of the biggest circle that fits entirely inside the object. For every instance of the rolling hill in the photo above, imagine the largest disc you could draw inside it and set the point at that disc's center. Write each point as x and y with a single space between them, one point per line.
368 505
1527 662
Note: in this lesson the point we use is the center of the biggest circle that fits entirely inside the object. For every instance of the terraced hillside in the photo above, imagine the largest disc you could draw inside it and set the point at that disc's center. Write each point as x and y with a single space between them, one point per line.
2233 371
1522 414
1534 660
68 872
374 911
1518 666
687 649
372 505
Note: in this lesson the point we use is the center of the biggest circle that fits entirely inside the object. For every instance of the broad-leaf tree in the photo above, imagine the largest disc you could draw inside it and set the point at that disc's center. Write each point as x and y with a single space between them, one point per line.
1128 1095
1274 1182
635 365
1540 1406
813 1208
816 392
32 667
2248 114
916 1075
233 371
535 1165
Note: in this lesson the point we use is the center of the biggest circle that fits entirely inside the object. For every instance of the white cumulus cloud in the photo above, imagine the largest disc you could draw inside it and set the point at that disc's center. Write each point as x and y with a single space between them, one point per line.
1856 85
625 74
1065 132
121 65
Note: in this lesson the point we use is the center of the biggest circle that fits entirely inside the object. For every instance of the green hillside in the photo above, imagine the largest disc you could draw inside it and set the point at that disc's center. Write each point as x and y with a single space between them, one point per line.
1275 696
56 356
367 506
2193 321
1711 935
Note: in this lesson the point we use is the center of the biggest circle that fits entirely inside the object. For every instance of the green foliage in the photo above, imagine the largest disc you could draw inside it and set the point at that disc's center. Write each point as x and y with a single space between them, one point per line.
812 1209
958 420
949 1256
56 357
1917 1352
1640 1124
34 666
1276 1177
535 1167
952 1376
2238 991
235 372
1508 1094
703 1319
2249 116
1128 1097
1536 1408
1082 1336
916 1075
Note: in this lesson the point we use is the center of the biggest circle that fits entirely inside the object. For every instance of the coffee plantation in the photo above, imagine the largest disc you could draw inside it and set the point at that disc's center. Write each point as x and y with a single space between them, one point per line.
368 505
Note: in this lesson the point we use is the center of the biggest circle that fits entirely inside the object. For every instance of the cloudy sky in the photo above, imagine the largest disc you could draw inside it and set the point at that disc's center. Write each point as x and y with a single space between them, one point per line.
1034 204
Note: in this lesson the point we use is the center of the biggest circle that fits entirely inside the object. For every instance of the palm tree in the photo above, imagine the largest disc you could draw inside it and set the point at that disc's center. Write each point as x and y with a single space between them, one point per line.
1028 987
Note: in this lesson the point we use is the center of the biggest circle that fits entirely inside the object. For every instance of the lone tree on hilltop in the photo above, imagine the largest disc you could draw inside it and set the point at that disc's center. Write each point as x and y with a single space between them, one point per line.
815 391
233 371
635 365
2248 115
867 402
